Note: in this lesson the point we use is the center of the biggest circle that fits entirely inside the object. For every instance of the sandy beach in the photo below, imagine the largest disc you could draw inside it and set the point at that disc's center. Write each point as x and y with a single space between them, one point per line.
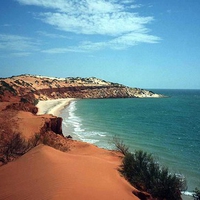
53 106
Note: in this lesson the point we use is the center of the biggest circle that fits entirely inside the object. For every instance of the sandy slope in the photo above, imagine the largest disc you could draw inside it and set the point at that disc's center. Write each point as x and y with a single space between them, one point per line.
46 173
86 172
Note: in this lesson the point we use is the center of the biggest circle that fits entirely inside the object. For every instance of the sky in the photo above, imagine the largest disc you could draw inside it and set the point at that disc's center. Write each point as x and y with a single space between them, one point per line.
138 43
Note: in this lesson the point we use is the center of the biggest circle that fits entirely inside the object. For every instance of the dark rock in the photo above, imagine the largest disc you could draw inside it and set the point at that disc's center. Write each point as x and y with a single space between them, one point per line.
69 137
54 124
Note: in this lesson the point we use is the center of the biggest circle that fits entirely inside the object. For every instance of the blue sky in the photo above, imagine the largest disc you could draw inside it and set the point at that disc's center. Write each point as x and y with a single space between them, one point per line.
139 43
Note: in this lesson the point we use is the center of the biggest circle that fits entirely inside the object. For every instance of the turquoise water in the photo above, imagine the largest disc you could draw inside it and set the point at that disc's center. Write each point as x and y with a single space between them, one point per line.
167 127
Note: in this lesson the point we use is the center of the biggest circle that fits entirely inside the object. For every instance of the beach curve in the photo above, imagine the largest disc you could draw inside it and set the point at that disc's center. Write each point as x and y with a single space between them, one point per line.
53 106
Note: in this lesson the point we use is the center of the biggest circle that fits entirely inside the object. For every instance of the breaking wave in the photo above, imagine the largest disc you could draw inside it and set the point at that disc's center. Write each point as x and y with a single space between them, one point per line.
74 125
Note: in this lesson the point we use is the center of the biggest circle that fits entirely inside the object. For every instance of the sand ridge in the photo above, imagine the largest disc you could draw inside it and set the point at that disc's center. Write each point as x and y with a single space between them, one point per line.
46 173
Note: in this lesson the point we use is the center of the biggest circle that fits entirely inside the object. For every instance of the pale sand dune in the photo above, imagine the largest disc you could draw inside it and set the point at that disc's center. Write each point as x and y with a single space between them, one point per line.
52 106
46 173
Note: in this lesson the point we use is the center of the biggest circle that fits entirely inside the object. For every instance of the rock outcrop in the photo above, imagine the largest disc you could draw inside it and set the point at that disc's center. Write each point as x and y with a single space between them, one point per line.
31 88
52 123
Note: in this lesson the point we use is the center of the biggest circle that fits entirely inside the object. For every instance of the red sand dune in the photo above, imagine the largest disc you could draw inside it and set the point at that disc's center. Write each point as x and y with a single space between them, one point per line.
86 172
46 173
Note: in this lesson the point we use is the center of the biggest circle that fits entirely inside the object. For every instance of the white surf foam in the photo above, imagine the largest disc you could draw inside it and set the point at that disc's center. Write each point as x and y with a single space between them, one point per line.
75 123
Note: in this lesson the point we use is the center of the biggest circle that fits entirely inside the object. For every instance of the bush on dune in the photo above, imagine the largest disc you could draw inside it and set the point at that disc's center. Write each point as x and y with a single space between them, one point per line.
14 145
120 146
54 140
143 172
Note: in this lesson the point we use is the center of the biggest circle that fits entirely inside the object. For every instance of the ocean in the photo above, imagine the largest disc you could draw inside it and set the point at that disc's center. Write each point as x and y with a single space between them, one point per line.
169 128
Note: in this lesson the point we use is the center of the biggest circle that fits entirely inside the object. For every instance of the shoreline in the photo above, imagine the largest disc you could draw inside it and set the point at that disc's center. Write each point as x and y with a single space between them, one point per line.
53 106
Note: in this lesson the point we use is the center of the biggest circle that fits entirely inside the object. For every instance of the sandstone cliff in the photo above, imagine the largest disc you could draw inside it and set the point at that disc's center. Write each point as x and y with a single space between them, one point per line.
30 88
22 118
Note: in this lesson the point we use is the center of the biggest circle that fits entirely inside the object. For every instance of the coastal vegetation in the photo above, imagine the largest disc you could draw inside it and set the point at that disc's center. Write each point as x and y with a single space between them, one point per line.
14 145
144 172
196 194
5 86
120 146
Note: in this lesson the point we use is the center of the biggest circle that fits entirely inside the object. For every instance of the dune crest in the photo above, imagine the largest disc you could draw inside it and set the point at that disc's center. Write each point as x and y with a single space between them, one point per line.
46 173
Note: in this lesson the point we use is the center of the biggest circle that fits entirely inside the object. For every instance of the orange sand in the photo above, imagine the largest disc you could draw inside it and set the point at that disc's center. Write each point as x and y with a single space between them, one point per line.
46 173
86 172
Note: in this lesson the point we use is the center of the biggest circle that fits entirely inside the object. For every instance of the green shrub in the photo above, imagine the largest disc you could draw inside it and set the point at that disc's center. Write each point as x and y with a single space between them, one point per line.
144 173
196 194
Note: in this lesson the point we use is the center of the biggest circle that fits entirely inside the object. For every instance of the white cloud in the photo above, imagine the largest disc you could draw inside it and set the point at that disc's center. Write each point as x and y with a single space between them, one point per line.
21 54
63 50
112 18
51 35
20 44
132 39
103 24
100 6
81 48
118 43
76 6
127 1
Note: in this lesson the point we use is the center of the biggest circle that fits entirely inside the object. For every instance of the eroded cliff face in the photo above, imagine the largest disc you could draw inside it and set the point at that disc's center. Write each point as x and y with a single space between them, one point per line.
22 118
22 130
32 88
52 123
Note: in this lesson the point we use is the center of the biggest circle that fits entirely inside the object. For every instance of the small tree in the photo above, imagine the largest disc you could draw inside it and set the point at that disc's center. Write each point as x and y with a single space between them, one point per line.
120 146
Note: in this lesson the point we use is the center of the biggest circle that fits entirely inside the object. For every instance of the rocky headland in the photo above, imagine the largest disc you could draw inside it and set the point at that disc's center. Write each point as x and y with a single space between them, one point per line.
32 88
